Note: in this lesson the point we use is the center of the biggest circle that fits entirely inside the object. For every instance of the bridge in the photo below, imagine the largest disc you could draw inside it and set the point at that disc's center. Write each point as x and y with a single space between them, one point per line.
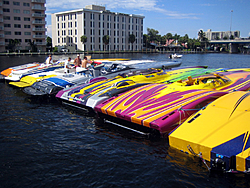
233 44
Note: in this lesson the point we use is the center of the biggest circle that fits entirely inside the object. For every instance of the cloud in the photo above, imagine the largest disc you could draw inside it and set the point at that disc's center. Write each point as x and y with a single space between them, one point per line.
138 5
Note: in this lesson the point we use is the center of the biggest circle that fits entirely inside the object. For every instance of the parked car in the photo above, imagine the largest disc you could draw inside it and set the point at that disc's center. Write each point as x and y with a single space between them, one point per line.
64 50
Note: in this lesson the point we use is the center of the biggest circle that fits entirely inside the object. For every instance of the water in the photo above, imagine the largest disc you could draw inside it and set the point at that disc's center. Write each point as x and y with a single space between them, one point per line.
44 144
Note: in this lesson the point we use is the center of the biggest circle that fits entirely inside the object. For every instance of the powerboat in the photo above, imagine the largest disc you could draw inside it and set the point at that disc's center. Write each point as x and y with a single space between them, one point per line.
218 133
91 94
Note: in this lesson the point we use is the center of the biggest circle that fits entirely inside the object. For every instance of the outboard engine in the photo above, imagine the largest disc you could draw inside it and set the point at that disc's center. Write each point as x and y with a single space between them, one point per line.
218 165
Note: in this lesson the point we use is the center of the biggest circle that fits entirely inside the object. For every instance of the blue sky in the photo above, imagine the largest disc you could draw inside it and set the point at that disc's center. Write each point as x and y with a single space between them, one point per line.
172 16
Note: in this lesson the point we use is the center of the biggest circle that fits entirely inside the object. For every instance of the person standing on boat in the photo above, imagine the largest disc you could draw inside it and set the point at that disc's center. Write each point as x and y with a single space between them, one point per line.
85 62
78 61
49 60
67 65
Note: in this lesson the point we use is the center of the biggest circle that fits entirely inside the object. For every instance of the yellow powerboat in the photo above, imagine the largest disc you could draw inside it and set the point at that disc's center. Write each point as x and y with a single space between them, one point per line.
218 133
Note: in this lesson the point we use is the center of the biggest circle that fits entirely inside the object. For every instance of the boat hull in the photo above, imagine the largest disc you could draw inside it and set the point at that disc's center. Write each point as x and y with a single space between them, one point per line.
220 133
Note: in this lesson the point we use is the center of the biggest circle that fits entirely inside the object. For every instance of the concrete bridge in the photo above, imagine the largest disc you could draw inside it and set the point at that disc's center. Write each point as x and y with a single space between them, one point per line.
233 44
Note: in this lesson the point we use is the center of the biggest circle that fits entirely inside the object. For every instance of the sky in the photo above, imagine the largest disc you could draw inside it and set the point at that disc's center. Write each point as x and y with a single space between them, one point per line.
171 16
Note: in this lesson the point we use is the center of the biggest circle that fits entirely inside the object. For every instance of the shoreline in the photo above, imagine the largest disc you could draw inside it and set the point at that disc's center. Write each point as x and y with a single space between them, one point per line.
106 52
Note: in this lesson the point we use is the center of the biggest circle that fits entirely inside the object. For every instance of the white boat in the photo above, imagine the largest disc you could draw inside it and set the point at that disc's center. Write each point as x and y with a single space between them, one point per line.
18 74
175 56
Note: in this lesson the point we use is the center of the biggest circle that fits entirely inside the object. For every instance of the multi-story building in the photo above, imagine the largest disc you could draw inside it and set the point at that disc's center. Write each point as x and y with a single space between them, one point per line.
214 35
23 20
94 22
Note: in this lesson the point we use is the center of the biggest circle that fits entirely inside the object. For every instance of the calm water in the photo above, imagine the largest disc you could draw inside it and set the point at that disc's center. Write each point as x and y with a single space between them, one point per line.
44 144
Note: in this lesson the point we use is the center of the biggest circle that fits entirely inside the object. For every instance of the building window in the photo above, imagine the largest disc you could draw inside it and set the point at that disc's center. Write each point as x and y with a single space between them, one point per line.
16 3
17 18
75 39
27 40
75 24
58 40
16 11
26 19
58 33
6 17
26 4
27 33
17 25
26 11
26 26
7 25
6 10
75 32
58 26
6 2
7 32
18 33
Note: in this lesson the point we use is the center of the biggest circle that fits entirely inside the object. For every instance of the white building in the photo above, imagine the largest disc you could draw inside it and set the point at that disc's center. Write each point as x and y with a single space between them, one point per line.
94 22
214 35
23 20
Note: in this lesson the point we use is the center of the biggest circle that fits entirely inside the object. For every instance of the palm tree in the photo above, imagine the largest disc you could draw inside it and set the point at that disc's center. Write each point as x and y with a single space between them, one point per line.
12 44
84 39
33 46
131 39
202 37
145 40
105 40
49 42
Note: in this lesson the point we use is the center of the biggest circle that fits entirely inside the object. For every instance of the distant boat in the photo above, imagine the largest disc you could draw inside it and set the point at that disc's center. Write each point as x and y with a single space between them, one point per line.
175 56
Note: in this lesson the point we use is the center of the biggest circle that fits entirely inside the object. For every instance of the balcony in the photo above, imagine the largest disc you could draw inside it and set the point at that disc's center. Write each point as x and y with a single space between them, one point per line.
38 8
38 15
39 29
1 12
38 1
1 35
1 20
2 43
1 28
39 22
39 36
40 43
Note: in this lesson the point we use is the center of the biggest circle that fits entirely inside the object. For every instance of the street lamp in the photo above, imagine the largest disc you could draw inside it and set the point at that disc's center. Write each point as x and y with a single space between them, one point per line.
231 23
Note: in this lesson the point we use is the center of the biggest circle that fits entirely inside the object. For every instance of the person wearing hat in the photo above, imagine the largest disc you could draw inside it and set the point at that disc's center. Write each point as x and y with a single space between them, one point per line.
78 61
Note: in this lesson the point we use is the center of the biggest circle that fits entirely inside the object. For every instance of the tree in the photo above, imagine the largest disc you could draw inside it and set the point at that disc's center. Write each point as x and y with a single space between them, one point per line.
176 37
105 40
12 44
201 35
146 40
131 39
152 34
33 46
169 36
49 42
84 39
231 37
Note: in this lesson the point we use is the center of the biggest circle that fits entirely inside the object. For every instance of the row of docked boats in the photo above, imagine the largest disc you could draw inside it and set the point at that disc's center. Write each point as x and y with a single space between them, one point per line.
202 111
